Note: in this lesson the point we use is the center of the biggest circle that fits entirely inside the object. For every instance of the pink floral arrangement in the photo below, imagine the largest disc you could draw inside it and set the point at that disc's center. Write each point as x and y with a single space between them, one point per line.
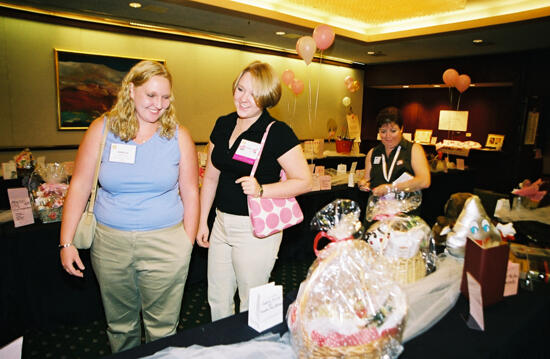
50 195
24 159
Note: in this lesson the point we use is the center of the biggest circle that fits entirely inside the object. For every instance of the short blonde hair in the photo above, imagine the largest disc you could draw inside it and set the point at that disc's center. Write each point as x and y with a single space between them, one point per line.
266 84
122 116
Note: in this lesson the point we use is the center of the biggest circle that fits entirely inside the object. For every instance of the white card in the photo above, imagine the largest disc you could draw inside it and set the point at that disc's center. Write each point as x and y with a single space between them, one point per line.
122 153
512 279
404 177
476 301
460 164
265 306
377 160
342 168
351 181
20 205
9 171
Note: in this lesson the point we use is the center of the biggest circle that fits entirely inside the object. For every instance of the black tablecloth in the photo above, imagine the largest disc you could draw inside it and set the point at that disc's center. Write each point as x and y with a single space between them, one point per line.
516 327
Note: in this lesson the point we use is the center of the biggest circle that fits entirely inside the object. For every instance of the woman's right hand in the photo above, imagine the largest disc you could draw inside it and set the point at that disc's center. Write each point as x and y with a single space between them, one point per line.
364 185
69 257
202 236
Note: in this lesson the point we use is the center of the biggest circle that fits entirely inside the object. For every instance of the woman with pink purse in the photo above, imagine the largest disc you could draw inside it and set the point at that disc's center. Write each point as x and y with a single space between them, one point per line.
237 258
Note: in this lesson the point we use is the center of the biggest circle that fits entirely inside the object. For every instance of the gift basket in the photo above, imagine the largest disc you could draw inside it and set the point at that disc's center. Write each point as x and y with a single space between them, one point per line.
347 307
47 187
404 241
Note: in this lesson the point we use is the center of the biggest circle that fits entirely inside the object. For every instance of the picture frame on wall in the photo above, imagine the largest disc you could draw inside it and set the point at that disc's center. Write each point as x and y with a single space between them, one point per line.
87 85
422 136
494 141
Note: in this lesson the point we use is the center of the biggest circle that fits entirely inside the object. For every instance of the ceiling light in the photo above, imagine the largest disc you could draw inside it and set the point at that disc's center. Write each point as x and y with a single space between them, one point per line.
473 85
371 52
280 33
437 85
405 86
477 41
135 5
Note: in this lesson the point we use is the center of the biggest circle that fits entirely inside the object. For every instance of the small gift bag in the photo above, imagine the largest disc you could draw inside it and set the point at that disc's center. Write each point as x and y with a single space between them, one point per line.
47 187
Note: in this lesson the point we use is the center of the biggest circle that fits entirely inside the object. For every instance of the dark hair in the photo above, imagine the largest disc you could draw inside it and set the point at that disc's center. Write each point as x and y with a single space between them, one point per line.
390 114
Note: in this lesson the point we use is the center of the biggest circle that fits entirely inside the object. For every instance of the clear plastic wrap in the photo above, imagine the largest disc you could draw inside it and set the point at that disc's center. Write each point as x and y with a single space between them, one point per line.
347 307
406 243
391 204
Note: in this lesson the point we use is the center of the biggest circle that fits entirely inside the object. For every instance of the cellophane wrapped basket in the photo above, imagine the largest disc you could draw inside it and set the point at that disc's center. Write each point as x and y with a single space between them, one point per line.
47 188
404 243
347 307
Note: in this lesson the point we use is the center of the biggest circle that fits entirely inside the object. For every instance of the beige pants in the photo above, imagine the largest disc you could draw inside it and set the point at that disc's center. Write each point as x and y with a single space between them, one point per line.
140 271
237 259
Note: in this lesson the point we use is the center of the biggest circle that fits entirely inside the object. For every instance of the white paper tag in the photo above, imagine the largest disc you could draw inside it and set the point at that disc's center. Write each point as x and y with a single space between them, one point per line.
404 177
20 205
12 350
512 279
122 153
351 181
353 167
247 152
476 301
377 160
265 306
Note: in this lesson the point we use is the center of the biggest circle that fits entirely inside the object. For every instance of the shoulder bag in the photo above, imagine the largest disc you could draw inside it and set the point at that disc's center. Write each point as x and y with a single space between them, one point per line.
84 235
272 215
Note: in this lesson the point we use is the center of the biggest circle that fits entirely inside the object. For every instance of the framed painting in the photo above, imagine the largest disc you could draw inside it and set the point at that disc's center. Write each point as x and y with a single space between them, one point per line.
87 85
494 141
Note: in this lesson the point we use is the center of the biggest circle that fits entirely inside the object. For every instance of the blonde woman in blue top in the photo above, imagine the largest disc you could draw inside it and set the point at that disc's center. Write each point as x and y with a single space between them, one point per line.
147 208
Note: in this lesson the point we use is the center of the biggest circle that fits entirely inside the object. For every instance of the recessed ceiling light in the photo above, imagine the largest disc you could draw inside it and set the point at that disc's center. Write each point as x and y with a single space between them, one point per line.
473 85
437 85
405 86
371 52
280 33
135 5
477 41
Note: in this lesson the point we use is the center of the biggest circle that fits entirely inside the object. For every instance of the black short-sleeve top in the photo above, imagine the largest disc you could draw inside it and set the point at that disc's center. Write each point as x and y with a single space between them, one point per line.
402 164
229 195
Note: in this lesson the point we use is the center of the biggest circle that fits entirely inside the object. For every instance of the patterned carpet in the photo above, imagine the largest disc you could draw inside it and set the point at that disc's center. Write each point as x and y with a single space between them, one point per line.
90 341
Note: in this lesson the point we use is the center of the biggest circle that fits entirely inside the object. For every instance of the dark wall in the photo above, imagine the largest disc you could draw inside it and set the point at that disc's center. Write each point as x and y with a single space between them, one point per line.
496 109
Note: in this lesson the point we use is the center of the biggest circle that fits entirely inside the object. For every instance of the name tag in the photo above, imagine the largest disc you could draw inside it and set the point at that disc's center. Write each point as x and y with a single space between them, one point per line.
122 153
399 163
247 152
377 160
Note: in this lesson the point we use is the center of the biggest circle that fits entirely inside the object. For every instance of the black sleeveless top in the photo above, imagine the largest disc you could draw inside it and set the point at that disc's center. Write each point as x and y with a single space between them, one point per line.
402 164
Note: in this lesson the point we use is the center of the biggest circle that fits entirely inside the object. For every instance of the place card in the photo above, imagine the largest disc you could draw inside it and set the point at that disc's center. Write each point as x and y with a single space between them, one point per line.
359 174
324 182
20 205
351 181
460 164
342 168
9 171
476 301
512 279
320 170
315 185
265 306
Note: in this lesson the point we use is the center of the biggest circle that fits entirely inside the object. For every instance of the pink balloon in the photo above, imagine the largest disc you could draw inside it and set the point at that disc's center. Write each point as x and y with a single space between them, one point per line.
348 80
450 76
287 77
463 83
305 46
297 86
323 36
353 86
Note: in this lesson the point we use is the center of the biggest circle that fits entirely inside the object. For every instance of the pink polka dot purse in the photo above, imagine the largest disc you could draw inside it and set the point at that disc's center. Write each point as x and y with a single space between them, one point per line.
272 215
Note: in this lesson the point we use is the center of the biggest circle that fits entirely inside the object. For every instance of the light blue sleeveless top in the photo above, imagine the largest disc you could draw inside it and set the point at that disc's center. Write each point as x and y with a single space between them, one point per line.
144 195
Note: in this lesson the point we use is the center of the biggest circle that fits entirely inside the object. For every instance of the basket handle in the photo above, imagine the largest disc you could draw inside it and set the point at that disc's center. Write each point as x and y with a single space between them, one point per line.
325 235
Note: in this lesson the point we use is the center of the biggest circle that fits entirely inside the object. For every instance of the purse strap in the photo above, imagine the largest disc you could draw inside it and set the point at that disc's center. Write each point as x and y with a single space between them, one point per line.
90 208
253 171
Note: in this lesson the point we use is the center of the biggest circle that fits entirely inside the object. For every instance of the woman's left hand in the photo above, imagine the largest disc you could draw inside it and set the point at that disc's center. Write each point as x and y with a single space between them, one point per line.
383 189
250 185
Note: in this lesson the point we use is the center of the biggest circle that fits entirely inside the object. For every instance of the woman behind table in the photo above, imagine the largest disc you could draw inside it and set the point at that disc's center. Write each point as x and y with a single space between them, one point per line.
394 157
236 258
147 208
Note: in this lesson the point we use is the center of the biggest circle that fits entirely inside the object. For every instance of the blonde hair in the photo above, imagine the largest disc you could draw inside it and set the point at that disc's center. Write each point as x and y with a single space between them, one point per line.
122 116
266 84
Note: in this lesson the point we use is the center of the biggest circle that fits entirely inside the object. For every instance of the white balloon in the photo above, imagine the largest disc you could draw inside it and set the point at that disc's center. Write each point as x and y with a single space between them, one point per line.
346 101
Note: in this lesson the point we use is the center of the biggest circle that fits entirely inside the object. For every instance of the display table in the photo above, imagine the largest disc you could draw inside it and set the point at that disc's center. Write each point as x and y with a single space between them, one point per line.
517 327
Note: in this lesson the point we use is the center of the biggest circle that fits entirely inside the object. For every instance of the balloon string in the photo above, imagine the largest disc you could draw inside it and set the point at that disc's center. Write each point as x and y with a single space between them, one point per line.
309 102
458 102
450 97
294 112
318 82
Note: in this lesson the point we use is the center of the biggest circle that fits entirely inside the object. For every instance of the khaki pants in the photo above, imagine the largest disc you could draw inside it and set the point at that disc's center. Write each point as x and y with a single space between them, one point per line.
237 259
140 270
